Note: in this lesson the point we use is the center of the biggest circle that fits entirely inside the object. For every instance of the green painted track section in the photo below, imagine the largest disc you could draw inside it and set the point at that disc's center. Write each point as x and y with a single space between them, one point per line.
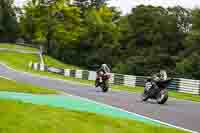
75 103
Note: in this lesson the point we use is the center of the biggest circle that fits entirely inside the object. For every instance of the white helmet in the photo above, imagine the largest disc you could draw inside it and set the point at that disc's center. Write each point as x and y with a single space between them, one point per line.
163 74
105 68
103 65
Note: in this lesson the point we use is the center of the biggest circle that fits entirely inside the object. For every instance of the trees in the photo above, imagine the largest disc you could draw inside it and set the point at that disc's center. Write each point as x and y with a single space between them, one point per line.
140 43
51 23
8 21
194 34
153 38
188 66
100 36
183 18
98 3
84 4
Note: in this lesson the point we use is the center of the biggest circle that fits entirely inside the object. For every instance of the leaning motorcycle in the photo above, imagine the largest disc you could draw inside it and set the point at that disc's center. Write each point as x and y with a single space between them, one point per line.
156 90
102 81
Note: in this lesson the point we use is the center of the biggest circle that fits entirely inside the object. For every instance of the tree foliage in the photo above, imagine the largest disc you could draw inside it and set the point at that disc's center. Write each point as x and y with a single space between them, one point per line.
8 21
89 33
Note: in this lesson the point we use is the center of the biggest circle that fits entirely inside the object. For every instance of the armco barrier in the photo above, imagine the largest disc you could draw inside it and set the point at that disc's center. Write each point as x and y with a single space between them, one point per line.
178 84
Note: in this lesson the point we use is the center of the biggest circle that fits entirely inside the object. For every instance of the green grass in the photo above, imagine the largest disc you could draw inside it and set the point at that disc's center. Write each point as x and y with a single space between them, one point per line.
53 62
20 61
13 86
17 60
185 96
28 118
13 46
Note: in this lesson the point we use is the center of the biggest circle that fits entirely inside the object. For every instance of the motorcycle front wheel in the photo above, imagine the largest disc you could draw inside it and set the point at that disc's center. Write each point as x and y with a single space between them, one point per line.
96 84
105 86
162 97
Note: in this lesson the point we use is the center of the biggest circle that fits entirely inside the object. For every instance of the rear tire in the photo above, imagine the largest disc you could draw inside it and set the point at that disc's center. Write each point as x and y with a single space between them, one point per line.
162 97
144 97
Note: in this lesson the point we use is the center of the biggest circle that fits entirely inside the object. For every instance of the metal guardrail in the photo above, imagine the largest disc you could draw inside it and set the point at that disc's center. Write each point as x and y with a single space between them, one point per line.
179 84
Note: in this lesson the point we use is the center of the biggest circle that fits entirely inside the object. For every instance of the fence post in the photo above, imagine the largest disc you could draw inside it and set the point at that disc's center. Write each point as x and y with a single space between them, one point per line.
67 72
111 81
79 74
175 85
118 79
129 80
42 67
72 73
45 68
140 80
35 66
85 75
92 75
199 87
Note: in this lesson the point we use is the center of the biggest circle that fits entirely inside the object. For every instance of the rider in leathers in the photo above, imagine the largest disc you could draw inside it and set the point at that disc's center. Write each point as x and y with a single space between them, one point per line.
105 69
161 76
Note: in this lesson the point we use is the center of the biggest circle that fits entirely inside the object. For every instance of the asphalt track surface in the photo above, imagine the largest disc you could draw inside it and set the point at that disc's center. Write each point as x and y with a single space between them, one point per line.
180 113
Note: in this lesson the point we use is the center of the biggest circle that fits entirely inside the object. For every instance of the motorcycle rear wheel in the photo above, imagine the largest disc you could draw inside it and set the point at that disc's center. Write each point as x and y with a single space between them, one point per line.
144 97
162 97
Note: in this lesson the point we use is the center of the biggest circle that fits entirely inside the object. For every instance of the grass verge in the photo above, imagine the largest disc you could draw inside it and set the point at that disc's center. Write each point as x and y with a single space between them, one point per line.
53 62
20 60
15 116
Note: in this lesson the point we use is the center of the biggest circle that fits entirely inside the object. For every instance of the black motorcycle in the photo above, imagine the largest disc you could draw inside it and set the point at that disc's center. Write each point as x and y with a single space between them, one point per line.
156 90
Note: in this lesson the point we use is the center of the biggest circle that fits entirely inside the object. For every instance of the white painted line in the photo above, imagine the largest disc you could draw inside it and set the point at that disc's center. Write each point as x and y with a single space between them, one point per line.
164 123
5 77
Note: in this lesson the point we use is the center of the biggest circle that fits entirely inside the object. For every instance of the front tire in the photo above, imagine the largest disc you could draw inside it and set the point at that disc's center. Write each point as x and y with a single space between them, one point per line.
96 84
105 86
